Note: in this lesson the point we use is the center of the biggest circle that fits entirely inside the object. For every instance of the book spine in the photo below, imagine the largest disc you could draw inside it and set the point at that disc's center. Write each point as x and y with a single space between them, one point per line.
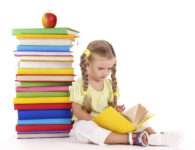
42 89
42 127
40 31
44 121
43 48
40 100
45 71
48 84
44 114
42 106
44 64
42 94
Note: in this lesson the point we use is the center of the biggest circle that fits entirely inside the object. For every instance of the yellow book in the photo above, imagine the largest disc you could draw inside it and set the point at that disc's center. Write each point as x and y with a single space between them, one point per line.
57 36
38 100
127 122
45 71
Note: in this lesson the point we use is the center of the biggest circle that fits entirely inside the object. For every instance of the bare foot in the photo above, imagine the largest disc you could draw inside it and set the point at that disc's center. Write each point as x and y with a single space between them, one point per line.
144 139
149 130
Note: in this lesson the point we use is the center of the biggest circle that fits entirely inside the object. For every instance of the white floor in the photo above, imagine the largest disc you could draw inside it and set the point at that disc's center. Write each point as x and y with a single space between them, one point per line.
10 143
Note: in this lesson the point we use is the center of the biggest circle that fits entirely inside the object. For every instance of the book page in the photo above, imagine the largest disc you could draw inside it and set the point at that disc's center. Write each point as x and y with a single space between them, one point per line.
136 114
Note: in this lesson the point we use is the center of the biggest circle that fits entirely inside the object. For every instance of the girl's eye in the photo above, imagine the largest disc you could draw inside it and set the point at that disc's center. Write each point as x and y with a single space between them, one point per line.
100 68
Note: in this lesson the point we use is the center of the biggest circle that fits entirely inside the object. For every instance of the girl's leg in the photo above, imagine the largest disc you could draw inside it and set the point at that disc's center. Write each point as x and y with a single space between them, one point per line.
150 130
170 138
88 131
117 138
164 138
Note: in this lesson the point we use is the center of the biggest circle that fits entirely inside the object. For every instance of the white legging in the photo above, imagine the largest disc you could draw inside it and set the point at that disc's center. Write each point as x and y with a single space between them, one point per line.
88 131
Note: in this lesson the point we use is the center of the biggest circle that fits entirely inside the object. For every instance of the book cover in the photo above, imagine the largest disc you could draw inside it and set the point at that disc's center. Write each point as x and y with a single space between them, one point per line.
43 127
39 100
47 58
42 89
39 53
44 78
35 84
42 94
44 121
44 114
43 132
56 36
64 30
42 106
45 71
44 64
45 41
44 48
41 135
112 120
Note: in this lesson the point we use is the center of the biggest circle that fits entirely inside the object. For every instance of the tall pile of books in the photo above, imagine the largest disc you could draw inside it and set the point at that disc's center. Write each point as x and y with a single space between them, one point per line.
43 79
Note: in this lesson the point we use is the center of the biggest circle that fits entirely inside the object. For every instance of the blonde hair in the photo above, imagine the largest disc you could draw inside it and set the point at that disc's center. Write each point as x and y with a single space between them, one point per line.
103 49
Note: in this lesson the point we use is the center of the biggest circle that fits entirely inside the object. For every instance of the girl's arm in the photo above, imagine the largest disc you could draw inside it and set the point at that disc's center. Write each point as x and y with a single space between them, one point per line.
80 113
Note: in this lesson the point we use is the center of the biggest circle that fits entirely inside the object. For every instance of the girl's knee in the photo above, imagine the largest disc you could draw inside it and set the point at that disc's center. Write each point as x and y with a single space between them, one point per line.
84 125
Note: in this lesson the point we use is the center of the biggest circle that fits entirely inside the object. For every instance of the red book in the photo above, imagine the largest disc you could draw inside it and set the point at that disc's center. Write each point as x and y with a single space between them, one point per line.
43 127
42 106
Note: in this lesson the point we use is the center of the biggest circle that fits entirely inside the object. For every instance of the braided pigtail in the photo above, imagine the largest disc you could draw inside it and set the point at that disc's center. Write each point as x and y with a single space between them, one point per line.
114 85
83 65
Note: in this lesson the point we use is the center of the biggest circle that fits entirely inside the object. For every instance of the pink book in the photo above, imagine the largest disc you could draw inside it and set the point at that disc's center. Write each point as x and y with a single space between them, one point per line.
42 88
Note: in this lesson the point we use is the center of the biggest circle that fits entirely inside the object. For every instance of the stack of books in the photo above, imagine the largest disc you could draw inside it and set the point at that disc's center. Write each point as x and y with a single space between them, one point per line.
44 76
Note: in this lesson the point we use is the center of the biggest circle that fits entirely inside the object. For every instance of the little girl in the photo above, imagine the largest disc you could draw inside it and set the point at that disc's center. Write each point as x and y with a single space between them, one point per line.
94 92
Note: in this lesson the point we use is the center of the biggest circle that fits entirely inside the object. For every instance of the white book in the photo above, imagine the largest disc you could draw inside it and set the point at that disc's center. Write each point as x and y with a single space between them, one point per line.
44 64
44 41
49 78
46 58
28 53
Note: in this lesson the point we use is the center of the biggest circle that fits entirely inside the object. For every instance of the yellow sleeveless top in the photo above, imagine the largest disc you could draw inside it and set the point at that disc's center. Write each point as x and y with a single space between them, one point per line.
99 99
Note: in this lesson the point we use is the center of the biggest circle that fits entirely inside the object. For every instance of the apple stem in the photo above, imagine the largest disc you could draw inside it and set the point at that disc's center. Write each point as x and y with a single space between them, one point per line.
49 11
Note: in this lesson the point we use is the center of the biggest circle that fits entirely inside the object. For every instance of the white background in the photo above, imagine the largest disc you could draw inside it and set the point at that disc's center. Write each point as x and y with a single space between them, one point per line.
153 40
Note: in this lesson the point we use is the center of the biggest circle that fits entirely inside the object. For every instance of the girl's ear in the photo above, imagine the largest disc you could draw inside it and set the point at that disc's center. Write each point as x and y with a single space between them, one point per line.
87 63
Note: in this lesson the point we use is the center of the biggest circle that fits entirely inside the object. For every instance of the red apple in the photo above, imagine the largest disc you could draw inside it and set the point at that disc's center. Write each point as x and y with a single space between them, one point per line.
49 20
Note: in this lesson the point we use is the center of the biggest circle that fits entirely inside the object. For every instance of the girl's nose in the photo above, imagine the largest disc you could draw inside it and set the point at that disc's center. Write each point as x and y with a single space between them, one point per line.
105 72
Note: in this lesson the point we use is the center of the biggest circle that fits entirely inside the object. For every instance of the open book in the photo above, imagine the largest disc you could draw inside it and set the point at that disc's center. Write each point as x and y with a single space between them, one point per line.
129 121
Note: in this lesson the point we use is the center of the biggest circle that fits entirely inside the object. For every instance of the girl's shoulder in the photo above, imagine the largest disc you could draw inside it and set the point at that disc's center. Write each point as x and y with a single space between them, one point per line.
108 82
79 81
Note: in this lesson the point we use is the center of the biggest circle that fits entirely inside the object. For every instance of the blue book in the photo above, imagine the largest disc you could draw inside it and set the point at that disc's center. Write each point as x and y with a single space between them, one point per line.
45 121
44 114
43 48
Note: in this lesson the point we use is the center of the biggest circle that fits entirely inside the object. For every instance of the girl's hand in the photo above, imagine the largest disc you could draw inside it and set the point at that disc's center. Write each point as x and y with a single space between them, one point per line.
120 108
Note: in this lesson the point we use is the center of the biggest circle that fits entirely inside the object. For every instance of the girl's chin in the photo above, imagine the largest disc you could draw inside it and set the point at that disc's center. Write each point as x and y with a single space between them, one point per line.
100 79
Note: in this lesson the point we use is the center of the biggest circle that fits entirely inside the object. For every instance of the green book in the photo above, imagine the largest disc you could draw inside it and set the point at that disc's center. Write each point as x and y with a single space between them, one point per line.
34 84
63 30
42 94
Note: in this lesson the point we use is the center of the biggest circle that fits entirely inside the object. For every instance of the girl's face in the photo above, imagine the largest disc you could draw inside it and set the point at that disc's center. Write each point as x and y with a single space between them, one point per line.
100 68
